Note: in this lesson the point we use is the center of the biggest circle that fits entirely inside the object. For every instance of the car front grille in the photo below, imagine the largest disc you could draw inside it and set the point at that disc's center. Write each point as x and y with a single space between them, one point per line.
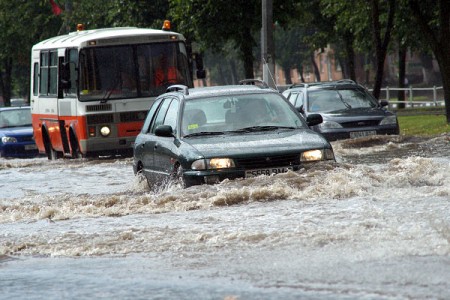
268 161
25 139
362 123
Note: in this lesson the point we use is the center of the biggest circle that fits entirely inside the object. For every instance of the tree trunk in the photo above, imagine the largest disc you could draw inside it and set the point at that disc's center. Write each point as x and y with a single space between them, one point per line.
380 43
444 66
315 67
287 75
6 81
438 41
350 52
234 76
247 56
401 75
300 69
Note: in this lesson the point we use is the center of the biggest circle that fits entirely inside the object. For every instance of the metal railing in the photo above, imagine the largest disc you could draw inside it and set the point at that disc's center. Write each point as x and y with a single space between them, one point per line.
431 96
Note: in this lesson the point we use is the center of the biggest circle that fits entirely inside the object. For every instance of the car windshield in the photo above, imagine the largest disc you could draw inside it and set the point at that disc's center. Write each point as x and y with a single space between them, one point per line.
249 112
15 118
327 100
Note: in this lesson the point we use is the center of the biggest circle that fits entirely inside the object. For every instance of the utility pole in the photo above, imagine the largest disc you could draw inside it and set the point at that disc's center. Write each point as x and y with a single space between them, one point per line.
267 45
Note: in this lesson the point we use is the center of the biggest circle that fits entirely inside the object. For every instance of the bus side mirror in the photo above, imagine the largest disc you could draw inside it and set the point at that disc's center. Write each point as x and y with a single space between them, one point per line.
65 76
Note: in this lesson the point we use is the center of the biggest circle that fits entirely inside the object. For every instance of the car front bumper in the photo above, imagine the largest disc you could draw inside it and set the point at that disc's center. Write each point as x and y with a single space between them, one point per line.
347 133
193 177
19 150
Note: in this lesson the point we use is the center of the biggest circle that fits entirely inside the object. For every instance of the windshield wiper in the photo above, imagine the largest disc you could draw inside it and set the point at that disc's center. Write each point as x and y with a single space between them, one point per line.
204 133
343 101
108 93
262 128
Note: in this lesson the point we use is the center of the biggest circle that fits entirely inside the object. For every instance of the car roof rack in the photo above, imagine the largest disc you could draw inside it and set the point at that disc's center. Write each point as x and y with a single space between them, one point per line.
177 88
341 81
256 82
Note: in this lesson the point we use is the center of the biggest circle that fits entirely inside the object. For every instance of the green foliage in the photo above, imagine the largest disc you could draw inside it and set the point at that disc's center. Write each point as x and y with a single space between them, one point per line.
23 23
213 24
116 13
230 29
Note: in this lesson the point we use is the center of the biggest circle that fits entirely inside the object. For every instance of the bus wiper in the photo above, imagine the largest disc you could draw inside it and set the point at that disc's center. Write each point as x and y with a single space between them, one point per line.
204 133
112 89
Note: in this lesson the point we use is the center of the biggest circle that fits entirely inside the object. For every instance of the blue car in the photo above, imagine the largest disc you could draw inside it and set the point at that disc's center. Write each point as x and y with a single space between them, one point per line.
16 133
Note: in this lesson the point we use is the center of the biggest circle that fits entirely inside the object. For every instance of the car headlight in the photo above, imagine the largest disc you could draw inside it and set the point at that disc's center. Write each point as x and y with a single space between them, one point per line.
391 120
316 155
8 139
329 125
213 163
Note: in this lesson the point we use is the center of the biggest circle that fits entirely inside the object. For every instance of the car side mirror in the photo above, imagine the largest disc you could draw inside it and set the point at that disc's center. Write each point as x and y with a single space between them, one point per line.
314 119
384 103
164 130
301 109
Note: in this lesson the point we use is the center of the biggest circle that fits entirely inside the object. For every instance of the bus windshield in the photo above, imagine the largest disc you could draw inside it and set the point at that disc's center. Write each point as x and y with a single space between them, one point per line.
130 71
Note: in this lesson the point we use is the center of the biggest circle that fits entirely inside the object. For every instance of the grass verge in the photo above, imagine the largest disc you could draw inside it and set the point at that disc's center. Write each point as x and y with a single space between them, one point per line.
423 125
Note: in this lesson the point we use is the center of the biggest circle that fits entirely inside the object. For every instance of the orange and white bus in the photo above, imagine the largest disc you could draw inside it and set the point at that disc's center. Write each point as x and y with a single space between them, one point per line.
91 89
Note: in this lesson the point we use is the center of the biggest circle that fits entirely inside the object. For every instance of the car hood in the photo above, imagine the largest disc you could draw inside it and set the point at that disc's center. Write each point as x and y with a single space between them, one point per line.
16 131
282 141
357 113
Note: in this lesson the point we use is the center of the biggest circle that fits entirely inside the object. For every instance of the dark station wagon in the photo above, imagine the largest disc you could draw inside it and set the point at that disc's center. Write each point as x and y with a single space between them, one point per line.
347 108
205 135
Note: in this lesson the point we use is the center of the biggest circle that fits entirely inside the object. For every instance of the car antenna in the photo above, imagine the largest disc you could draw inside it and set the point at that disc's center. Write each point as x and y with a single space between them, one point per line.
266 65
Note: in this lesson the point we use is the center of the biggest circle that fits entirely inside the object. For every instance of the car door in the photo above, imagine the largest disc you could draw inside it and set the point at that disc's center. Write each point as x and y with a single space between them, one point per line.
165 147
145 142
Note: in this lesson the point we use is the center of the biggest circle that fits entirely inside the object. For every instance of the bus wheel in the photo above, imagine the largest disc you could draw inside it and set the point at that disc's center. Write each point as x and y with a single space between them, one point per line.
76 153
51 153
126 152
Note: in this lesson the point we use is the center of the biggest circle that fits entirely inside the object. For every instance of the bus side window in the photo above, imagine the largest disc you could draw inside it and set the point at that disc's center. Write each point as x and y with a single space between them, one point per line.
48 73
35 78
43 82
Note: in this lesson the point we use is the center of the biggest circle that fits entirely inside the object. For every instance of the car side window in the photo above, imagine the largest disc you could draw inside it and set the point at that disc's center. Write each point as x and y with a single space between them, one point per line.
150 116
298 100
161 114
172 115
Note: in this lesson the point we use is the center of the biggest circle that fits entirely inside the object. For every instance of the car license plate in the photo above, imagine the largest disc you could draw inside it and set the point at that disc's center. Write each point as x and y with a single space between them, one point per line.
357 134
30 147
267 172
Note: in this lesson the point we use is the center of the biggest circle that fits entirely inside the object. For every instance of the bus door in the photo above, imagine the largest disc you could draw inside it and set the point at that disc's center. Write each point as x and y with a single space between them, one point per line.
48 99
67 99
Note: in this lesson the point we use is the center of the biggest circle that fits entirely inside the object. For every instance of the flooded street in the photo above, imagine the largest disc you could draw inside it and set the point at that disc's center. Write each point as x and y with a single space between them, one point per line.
373 225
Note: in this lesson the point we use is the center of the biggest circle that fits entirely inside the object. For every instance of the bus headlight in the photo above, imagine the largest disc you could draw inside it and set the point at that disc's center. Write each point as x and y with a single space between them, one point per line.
105 131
